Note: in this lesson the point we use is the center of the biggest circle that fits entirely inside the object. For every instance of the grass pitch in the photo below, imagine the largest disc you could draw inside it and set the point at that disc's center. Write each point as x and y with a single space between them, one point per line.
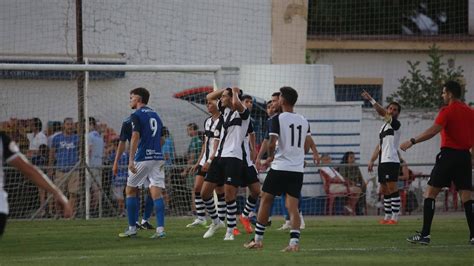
325 241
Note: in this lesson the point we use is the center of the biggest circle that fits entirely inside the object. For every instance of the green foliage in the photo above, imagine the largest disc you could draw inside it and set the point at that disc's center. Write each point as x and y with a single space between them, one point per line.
418 90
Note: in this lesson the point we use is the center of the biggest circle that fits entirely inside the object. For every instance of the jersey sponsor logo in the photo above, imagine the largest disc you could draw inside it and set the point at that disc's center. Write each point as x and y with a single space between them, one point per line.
150 152
67 145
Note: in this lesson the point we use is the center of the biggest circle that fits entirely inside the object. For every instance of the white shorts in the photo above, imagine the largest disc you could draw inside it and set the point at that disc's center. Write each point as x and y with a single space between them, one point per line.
152 170
118 192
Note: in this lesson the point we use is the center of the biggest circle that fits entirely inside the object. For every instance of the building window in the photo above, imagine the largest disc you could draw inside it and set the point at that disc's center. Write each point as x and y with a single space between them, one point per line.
350 89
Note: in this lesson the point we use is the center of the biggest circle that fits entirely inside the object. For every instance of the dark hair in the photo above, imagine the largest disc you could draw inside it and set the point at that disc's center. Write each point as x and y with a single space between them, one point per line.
56 126
289 94
276 94
68 119
143 93
346 155
397 105
165 132
193 126
269 102
246 97
92 121
454 87
43 149
37 123
231 94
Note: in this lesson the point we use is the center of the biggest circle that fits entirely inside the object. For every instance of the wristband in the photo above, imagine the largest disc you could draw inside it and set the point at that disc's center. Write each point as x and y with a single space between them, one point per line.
372 101
209 161
413 141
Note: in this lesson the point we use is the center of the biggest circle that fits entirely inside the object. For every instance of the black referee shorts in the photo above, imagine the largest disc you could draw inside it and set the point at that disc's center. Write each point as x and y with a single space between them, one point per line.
278 182
388 172
225 170
452 166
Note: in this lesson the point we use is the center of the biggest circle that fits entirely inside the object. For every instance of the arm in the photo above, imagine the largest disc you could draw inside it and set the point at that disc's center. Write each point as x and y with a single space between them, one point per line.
212 155
253 146
133 149
203 149
309 144
118 154
236 101
271 150
380 110
426 135
374 156
42 181
261 152
215 95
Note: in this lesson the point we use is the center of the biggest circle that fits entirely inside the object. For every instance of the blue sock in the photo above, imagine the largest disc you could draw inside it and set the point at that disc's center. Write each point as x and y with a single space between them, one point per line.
148 208
160 212
137 213
131 210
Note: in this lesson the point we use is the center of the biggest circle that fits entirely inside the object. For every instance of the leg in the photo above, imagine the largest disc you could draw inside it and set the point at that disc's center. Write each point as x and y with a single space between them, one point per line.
293 212
132 205
429 209
208 199
230 199
468 202
395 200
198 202
266 202
387 202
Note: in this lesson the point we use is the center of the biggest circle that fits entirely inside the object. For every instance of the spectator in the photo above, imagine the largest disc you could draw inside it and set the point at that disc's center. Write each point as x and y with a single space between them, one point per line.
354 178
64 155
119 181
194 147
338 184
41 160
96 153
54 128
36 137
168 147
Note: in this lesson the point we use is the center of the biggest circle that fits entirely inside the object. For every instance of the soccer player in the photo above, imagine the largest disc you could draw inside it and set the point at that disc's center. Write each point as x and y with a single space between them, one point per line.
126 135
389 162
146 161
227 166
292 132
10 153
455 121
212 129
249 172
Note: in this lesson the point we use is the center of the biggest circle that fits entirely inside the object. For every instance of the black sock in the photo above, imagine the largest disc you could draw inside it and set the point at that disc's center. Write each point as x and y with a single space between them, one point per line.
428 213
469 216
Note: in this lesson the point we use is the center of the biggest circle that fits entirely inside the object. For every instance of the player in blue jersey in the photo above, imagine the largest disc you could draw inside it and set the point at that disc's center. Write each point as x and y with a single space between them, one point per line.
145 162
126 135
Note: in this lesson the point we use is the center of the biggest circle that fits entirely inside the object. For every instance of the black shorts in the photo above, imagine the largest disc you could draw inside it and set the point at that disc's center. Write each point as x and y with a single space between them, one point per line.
199 171
249 175
388 172
3 223
452 166
278 182
225 170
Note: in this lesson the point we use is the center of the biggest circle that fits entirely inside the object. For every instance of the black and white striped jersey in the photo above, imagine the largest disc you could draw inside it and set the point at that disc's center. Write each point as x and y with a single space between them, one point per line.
389 136
212 131
291 130
8 151
246 145
234 129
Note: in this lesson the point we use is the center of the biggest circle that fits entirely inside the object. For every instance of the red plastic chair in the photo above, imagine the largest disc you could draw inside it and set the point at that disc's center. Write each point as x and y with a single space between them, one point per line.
331 197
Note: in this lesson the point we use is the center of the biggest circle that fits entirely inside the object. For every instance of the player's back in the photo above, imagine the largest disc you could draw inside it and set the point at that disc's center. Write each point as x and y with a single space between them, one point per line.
291 129
150 127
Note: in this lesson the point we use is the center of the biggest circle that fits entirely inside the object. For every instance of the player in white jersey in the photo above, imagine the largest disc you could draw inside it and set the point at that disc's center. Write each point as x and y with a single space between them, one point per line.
226 167
10 153
389 162
293 134
212 130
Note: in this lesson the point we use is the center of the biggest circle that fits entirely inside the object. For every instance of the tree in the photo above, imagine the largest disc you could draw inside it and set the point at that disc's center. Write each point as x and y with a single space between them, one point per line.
418 90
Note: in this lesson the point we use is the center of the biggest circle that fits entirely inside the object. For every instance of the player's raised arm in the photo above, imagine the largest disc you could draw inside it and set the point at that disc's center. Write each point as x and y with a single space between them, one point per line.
380 110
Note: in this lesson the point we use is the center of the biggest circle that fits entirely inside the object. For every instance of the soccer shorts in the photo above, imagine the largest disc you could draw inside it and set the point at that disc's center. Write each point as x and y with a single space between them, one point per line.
152 170
283 182
225 170
452 166
388 172
200 172
249 175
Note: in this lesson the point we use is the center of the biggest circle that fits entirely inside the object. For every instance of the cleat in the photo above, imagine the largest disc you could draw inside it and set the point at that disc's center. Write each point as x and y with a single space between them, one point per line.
285 226
139 226
418 238
197 222
246 223
252 244
471 241
147 226
157 235
228 236
392 222
236 231
383 221
291 248
128 233
212 229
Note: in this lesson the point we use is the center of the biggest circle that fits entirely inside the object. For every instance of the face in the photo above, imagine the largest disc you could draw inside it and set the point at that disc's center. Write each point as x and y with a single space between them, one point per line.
446 96
248 103
191 132
68 126
392 110
351 158
326 160
270 110
134 100
226 99
276 103
211 107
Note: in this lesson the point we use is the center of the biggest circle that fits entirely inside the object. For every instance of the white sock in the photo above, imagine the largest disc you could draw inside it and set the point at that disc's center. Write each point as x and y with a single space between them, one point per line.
144 221
160 229
387 217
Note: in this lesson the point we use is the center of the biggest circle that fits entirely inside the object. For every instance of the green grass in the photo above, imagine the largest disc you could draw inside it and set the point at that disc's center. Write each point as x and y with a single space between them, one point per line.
335 241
